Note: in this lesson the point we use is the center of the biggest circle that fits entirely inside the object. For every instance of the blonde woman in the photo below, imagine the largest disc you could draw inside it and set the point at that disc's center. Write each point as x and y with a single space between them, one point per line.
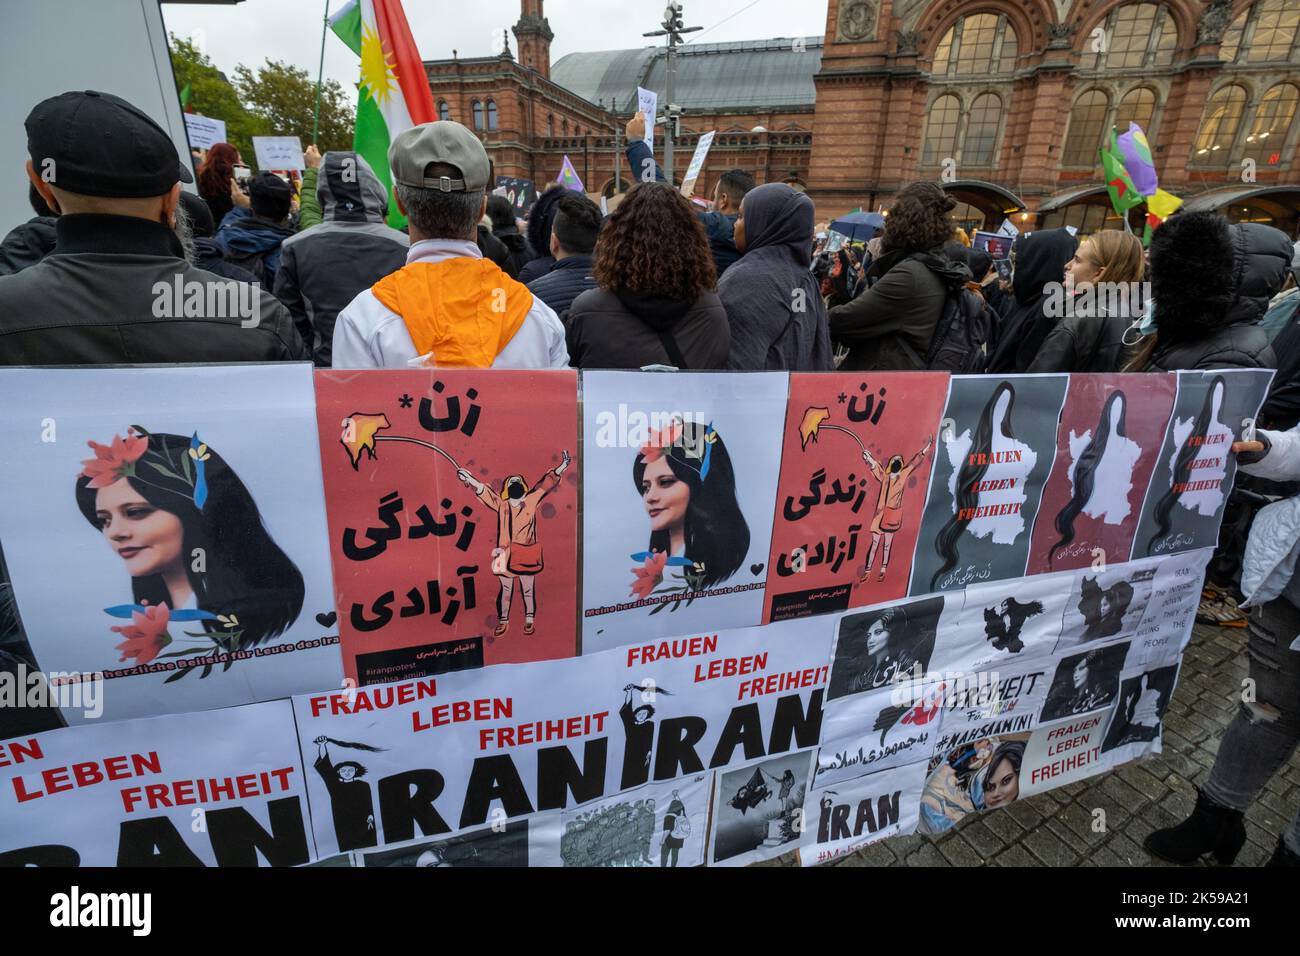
1100 302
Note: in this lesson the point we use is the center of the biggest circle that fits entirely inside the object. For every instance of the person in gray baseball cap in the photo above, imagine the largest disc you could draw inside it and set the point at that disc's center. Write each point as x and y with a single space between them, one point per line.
447 307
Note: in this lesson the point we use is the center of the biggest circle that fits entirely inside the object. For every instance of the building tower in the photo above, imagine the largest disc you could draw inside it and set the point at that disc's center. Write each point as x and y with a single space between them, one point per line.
533 36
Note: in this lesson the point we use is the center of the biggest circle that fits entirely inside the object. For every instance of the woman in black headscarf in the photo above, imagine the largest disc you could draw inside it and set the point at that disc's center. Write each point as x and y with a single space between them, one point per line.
1040 259
773 302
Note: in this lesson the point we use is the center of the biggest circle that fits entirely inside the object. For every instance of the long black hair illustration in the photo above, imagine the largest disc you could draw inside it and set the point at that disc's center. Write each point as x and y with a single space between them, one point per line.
230 561
969 474
1085 469
715 532
1164 509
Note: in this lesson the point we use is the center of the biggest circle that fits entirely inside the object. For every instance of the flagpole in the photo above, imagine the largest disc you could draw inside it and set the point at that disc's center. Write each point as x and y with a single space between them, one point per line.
320 74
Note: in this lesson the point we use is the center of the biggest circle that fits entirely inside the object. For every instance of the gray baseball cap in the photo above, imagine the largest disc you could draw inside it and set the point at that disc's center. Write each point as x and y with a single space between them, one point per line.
440 142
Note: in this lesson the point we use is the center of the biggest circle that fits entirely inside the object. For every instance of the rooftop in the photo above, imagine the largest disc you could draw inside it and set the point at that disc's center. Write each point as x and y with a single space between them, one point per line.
744 75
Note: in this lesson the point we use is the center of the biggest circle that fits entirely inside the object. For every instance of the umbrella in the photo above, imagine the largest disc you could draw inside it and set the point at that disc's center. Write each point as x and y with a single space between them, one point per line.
859 226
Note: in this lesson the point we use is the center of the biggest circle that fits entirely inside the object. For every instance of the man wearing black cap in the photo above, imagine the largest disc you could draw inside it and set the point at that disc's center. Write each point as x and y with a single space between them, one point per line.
250 237
117 288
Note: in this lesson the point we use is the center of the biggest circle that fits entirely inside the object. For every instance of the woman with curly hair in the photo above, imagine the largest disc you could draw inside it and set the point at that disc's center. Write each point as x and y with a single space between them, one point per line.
215 178
654 303
889 327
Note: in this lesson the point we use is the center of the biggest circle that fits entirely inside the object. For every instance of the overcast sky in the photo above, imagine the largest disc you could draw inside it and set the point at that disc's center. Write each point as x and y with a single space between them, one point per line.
290 30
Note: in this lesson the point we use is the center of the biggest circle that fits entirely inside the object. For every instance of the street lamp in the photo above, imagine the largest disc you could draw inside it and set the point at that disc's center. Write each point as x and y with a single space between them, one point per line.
673 28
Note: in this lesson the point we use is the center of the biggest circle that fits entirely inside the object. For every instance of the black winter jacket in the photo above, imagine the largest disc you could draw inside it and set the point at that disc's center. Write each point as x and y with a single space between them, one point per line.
108 295
1086 340
570 277
27 244
618 330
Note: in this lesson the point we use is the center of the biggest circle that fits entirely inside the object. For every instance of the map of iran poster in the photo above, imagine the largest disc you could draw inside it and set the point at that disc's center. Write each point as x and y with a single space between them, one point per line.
1109 438
678 495
1193 477
996 449
854 473
171 536
452 499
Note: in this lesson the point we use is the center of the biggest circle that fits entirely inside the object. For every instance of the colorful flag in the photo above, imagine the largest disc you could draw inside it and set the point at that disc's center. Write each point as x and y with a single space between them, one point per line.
569 176
187 98
394 93
1162 204
1136 154
1123 194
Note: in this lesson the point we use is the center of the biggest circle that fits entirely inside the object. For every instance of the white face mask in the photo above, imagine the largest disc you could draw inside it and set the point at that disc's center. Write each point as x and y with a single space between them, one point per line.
1144 325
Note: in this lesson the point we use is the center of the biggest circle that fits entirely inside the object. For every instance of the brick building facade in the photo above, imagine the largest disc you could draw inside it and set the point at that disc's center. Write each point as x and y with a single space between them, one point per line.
1005 102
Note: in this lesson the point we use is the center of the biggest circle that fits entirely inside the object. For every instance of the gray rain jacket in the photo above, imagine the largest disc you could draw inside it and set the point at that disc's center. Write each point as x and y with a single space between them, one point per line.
323 267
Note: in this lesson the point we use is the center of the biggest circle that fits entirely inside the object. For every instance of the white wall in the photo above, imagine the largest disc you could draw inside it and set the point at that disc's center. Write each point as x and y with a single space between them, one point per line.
48 47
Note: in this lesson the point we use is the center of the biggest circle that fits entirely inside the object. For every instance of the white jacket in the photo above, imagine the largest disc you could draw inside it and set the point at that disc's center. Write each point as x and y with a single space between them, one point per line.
1269 566
369 335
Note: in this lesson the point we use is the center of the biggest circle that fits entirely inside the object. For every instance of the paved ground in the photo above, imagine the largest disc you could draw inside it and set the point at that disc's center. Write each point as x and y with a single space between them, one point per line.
1054 828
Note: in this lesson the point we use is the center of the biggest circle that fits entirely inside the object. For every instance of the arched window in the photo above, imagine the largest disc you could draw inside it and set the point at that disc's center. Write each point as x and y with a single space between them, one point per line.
550 124
477 109
564 126
1223 112
1268 131
1137 106
1271 26
941 130
1137 35
981 130
976 45
491 114
444 111
1087 125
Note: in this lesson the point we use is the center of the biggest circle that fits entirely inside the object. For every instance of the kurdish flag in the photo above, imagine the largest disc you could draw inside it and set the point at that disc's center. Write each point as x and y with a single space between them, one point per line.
393 94
1123 194
1135 152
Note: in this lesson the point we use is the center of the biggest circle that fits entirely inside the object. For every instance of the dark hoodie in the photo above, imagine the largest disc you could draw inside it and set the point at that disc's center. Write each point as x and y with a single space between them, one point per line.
1040 258
774 305
253 243
323 267
1209 283
624 330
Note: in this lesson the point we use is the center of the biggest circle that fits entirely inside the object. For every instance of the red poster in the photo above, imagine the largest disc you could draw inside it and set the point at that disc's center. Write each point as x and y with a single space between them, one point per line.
854 474
452 498
1107 443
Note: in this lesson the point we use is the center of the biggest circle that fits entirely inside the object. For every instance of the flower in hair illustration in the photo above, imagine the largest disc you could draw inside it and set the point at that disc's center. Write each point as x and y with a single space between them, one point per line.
698 535
190 536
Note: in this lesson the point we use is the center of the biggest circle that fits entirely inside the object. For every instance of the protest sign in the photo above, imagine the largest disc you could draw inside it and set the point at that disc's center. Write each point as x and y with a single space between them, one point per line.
172 535
222 788
854 474
278 152
678 500
453 521
204 132
1106 452
647 102
1189 489
996 450
520 193
996 244
697 162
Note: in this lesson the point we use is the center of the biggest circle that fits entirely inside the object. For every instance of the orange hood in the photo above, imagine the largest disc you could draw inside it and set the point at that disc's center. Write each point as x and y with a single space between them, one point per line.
463 310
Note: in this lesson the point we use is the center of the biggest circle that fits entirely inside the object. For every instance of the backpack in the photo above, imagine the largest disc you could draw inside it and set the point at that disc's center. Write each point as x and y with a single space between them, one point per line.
963 334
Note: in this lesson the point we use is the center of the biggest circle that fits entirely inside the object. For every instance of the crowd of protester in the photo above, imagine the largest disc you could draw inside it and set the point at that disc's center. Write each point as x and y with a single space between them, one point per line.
319 274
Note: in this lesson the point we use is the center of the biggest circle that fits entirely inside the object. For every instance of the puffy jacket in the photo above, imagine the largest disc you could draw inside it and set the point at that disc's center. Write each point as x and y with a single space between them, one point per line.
620 330
108 295
1269 567
323 267
27 244
252 243
568 279
1211 283
889 327
208 257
